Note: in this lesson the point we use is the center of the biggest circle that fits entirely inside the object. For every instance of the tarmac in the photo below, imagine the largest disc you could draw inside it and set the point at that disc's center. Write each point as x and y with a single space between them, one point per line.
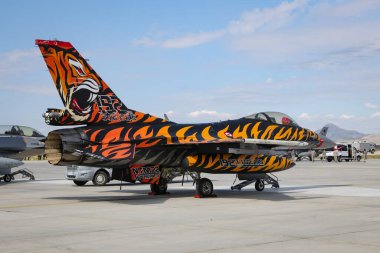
320 207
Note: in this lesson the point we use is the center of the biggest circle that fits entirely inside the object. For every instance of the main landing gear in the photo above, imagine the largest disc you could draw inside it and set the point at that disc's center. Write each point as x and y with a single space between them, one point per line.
203 187
160 188
260 181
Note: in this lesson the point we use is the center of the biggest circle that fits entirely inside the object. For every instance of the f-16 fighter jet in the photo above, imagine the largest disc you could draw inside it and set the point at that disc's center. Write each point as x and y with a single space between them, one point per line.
142 147
16 143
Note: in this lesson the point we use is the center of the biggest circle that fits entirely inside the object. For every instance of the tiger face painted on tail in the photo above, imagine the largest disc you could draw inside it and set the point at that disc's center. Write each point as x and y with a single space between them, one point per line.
87 98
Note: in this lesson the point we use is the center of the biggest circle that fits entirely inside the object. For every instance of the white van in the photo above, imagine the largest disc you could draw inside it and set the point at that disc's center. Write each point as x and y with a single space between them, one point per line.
345 152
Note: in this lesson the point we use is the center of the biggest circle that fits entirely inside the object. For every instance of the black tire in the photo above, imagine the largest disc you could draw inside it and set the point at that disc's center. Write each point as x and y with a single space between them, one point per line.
204 187
329 159
7 178
259 185
100 178
339 158
79 183
347 160
358 158
159 188
373 151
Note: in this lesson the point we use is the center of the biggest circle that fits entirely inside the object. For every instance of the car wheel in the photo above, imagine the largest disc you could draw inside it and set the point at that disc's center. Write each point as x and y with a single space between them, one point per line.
100 178
358 158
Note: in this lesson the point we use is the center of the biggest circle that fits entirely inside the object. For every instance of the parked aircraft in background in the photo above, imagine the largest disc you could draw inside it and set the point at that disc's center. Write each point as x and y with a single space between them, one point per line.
326 143
145 148
16 143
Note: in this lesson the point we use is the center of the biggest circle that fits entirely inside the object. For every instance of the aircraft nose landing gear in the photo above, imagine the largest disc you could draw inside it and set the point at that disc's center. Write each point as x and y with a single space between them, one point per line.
260 181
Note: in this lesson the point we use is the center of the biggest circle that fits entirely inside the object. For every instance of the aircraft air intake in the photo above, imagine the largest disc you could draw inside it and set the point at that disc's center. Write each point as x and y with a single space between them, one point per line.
61 147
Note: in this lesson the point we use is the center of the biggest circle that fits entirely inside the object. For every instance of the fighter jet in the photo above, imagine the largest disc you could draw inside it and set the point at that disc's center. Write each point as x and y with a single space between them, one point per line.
16 143
141 147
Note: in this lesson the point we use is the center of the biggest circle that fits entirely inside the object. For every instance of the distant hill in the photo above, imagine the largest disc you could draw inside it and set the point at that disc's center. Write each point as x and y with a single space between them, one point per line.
336 133
372 138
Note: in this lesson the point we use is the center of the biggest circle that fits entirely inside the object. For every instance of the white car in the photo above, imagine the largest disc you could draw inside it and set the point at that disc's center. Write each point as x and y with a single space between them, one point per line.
82 174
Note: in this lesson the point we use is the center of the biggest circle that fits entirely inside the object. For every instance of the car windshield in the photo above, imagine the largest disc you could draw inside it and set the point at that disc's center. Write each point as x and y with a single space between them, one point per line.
19 130
274 117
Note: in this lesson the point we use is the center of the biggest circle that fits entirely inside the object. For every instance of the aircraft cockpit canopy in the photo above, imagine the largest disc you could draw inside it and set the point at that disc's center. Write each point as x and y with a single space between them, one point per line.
274 117
19 130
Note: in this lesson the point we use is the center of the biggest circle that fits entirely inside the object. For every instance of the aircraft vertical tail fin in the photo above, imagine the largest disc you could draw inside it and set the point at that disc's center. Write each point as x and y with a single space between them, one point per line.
86 97
323 131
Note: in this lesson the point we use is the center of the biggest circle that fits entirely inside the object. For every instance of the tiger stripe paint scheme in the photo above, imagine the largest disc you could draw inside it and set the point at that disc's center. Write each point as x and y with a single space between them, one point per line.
118 137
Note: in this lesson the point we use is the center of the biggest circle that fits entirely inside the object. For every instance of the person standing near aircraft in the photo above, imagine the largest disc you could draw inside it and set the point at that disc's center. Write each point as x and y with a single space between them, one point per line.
312 154
293 153
335 154
354 153
365 152
323 155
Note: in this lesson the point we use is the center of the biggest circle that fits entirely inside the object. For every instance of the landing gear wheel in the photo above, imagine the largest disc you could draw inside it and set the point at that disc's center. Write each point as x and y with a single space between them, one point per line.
79 183
7 178
204 187
100 178
358 158
259 185
159 188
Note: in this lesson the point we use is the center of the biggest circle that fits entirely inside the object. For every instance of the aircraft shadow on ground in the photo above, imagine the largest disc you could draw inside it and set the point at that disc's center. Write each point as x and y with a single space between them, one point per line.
141 197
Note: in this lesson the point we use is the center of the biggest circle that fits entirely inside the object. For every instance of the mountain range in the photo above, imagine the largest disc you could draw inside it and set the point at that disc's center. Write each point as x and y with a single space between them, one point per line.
336 133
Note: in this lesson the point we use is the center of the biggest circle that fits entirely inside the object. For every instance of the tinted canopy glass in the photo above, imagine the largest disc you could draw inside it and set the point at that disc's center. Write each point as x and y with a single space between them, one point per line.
19 130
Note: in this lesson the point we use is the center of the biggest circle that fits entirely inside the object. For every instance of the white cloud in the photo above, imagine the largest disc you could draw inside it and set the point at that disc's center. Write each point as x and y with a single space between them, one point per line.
346 116
375 115
17 72
18 54
192 39
269 80
270 18
371 106
145 41
46 90
18 60
249 22
304 115
212 114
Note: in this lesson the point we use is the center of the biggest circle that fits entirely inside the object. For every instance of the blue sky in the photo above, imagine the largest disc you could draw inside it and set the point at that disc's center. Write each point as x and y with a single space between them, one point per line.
199 61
